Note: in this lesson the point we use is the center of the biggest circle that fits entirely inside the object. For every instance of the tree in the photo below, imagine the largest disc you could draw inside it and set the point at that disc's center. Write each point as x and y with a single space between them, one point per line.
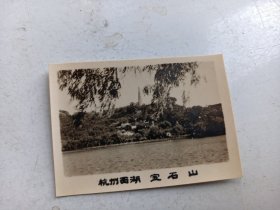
154 132
77 118
167 77
88 86
100 87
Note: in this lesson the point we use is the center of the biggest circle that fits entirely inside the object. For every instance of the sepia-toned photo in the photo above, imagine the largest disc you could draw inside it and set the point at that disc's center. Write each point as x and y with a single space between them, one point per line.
128 116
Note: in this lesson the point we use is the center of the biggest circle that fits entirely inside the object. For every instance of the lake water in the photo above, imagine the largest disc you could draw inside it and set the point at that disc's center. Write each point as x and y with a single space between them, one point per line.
144 156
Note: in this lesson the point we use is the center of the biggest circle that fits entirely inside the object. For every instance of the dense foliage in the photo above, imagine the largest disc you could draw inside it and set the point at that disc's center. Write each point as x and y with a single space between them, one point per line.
136 123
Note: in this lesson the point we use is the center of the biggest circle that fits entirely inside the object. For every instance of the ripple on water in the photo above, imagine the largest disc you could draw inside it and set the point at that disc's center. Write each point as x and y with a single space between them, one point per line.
146 156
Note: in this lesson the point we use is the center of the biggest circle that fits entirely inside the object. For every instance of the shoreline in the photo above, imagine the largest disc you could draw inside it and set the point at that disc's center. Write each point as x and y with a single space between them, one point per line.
130 143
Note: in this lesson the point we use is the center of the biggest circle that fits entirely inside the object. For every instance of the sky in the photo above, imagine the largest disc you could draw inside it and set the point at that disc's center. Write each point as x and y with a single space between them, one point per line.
203 94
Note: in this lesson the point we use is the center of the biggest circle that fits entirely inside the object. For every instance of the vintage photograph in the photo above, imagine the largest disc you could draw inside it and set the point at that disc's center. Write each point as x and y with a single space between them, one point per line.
135 117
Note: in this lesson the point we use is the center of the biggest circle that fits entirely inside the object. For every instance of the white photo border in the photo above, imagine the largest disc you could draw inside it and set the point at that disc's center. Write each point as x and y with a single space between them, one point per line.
88 184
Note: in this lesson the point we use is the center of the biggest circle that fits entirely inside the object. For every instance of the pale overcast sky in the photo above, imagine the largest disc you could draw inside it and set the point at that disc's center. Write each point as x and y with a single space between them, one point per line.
204 93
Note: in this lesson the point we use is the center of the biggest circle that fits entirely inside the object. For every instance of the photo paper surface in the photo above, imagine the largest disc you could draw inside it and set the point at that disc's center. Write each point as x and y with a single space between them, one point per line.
136 124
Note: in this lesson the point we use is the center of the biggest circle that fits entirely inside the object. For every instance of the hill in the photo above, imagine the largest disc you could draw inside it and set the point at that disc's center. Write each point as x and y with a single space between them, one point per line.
134 123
